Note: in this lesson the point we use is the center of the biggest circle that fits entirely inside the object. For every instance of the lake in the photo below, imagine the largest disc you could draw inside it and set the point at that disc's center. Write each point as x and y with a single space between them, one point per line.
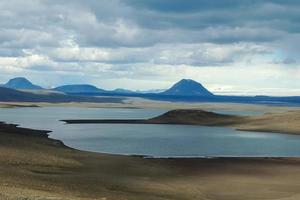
151 140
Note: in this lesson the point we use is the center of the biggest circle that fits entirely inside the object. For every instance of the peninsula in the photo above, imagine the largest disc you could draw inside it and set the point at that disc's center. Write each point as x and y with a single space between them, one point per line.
282 122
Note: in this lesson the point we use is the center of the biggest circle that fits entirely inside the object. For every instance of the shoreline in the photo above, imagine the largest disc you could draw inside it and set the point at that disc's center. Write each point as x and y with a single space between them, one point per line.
17 129
32 167
44 134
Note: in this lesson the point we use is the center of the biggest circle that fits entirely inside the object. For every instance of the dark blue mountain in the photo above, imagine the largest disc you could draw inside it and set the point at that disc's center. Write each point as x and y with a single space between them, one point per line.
122 91
21 83
84 88
187 87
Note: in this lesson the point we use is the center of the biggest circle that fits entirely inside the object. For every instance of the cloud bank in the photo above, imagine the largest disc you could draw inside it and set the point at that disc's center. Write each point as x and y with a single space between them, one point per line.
233 46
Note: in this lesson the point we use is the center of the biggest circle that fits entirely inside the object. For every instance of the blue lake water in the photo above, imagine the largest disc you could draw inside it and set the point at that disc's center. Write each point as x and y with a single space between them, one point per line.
152 140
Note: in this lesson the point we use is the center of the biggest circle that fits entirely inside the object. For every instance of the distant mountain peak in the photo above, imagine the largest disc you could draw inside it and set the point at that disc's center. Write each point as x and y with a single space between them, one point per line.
188 87
122 91
19 78
186 80
78 88
21 83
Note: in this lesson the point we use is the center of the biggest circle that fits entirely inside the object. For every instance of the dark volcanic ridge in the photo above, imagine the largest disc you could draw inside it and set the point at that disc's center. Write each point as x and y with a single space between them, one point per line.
282 122
184 116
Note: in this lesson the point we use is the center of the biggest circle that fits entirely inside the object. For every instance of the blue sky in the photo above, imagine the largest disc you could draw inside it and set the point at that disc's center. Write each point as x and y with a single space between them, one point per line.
231 47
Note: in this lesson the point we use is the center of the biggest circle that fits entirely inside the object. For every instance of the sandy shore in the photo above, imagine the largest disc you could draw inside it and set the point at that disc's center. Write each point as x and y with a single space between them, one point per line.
134 103
36 167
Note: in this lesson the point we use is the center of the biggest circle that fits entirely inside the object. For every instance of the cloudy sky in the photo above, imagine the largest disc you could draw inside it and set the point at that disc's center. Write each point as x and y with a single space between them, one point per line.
231 47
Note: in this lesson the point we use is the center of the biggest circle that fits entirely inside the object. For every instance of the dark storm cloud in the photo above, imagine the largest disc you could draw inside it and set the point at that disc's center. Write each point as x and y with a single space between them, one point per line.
190 6
200 14
156 21
136 23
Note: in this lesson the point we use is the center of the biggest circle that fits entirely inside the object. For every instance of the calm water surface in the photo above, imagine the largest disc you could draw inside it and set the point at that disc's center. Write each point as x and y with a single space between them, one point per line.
152 140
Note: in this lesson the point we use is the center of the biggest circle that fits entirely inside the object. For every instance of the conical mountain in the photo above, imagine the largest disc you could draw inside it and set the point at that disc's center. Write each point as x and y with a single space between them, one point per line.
21 83
187 87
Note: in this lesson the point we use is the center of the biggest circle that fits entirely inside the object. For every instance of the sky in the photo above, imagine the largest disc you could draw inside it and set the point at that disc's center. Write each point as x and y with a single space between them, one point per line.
248 47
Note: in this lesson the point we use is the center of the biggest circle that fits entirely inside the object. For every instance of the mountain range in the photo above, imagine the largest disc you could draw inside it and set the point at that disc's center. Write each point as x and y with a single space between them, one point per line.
186 90
185 87
12 95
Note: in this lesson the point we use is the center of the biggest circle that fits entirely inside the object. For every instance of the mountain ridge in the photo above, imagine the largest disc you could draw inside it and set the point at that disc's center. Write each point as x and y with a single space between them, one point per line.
12 95
78 88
